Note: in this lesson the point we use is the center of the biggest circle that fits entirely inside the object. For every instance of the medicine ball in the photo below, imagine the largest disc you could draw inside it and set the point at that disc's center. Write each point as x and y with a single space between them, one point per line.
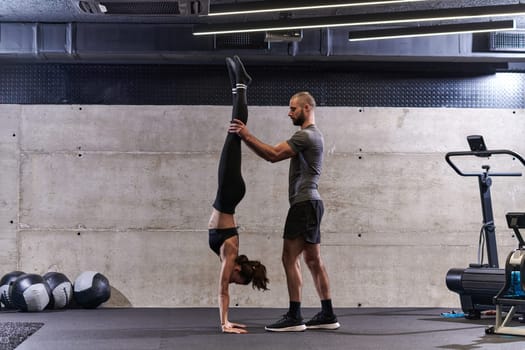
91 289
30 292
5 283
61 290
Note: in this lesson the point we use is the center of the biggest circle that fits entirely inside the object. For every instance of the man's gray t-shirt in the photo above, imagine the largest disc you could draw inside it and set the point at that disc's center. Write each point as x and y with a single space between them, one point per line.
305 167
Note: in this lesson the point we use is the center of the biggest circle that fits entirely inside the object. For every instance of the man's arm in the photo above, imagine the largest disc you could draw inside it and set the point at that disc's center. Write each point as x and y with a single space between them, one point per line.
272 154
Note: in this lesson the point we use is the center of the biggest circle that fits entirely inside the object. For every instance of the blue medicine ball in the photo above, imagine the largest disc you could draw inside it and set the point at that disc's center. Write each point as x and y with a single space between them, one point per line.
91 289
5 284
61 290
30 292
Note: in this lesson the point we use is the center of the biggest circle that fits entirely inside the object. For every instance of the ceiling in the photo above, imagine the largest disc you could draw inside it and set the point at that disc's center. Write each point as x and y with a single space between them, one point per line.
59 31
69 11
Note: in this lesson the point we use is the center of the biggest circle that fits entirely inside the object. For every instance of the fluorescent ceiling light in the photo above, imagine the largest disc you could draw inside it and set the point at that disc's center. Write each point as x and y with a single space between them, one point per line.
360 19
474 27
290 5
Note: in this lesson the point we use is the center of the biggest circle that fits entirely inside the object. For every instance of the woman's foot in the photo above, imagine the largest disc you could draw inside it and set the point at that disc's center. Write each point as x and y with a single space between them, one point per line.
241 75
231 65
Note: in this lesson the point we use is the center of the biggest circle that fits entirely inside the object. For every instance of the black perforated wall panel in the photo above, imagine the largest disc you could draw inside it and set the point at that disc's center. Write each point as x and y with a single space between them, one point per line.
209 85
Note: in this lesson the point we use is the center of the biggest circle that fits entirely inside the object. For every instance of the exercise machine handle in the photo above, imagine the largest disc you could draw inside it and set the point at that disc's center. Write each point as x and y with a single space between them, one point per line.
483 154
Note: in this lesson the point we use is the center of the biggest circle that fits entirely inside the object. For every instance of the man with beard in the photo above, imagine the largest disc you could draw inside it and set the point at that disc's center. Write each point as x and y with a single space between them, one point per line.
302 228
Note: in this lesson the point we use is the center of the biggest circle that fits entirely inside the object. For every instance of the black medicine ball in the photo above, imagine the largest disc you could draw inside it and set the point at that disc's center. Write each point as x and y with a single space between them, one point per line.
91 289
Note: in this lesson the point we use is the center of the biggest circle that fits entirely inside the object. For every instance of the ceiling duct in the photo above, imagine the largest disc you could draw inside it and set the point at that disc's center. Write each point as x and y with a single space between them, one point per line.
510 41
254 41
145 8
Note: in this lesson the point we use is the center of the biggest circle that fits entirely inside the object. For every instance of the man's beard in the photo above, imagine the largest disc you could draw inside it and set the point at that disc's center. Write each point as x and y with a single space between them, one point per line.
300 119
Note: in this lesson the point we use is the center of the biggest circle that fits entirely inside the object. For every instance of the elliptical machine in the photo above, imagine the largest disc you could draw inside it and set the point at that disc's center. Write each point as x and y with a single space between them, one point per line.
480 282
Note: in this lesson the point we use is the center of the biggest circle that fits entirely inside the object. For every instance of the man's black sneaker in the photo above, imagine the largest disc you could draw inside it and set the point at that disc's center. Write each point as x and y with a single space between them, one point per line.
322 321
287 324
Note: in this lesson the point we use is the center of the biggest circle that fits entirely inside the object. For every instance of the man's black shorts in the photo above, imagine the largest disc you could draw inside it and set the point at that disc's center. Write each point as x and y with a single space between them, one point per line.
304 219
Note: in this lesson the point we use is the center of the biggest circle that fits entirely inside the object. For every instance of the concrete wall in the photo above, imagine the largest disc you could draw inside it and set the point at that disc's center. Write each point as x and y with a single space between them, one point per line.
127 191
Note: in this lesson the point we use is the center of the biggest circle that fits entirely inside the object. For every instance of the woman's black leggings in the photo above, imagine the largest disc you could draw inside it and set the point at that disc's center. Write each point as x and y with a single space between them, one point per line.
231 187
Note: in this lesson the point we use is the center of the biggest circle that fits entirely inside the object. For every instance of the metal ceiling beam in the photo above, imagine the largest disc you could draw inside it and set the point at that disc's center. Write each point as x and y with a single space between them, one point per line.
174 44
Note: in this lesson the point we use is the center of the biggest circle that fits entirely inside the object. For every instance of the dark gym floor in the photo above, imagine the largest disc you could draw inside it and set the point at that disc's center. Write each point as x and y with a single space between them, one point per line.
197 328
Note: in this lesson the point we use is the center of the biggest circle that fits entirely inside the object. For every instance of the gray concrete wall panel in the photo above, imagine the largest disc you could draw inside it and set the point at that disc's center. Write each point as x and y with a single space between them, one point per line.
127 190
9 177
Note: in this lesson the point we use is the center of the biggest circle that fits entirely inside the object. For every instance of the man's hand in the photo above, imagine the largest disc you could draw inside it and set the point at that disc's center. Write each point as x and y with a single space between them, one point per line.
238 127
230 327
272 154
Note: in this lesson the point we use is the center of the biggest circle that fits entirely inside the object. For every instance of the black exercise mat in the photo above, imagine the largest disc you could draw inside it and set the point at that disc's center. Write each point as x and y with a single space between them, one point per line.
13 334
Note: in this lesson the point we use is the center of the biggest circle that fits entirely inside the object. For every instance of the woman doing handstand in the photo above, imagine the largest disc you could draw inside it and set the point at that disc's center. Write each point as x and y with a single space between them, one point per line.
222 227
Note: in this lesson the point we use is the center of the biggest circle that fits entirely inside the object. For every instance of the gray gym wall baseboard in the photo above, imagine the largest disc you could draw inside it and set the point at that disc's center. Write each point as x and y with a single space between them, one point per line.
411 85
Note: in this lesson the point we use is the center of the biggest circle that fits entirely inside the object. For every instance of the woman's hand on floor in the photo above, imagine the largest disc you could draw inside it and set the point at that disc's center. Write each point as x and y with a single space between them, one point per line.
230 327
